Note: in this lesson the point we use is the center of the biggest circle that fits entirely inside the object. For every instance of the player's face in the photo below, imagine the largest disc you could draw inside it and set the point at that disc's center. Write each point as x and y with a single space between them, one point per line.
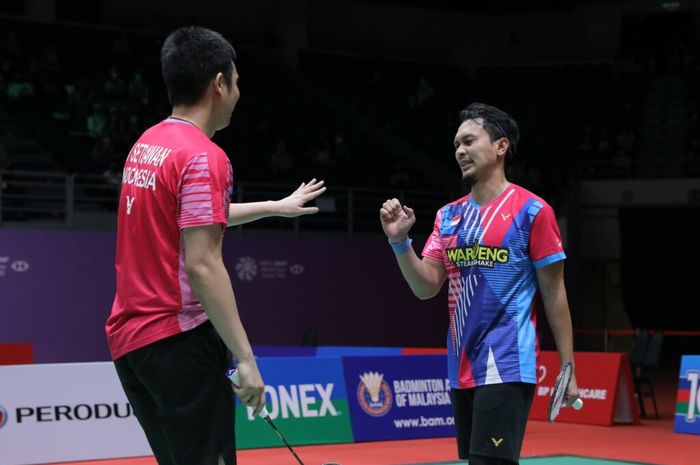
476 154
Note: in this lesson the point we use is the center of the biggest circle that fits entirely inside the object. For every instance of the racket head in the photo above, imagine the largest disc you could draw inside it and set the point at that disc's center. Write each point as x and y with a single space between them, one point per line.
561 385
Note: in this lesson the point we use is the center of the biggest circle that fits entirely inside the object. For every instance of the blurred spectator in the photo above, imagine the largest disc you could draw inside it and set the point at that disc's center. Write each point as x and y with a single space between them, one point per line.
96 121
11 46
281 162
20 86
622 163
341 149
121 46
603 145
625 142
137 89
114 85
422 94
103 153
400 177
113 178
585 143
320 153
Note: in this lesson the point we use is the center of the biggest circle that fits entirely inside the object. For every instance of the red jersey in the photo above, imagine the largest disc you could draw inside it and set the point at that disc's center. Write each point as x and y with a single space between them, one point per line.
174 177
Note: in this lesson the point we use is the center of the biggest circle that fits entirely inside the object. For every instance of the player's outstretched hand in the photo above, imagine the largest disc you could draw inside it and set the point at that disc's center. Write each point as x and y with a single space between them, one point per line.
396 220
294 204
252 389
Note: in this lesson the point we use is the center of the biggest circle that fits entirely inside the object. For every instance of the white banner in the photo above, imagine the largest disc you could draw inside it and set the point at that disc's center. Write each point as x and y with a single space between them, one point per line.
65 412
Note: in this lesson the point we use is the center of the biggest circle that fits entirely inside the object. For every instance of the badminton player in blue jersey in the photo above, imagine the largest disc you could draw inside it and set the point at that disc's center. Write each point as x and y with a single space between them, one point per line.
500 250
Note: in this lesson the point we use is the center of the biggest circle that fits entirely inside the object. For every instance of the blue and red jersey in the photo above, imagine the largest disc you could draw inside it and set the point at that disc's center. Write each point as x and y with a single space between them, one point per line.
490 253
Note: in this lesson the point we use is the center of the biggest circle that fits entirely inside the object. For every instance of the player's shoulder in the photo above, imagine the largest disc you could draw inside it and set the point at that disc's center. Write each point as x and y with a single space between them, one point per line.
187 140
525 197
449 209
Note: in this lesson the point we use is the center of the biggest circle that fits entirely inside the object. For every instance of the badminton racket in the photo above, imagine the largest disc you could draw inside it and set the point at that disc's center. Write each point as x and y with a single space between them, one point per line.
559 395
233 376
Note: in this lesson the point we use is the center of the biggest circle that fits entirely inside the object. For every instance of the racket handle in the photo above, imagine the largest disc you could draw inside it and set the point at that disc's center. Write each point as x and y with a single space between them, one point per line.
232 375
578 404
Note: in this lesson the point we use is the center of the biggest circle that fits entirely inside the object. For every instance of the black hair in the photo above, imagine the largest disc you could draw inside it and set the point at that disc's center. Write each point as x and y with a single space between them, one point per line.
190 58
497 123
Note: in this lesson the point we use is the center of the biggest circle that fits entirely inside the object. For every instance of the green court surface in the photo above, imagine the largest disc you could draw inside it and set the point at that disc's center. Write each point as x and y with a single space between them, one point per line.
554 460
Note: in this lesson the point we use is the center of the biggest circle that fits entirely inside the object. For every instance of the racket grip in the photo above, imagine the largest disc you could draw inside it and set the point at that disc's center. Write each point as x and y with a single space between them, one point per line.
232 375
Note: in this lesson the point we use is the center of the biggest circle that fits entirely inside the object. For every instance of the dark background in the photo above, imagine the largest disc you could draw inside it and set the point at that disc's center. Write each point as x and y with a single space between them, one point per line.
364 94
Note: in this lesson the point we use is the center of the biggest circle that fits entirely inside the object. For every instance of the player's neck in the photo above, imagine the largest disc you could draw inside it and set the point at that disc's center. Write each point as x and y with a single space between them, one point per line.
197 116
482 192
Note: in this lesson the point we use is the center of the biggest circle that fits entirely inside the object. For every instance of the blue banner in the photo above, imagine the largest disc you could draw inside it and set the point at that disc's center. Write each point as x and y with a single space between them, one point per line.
398 397
346 351
688 396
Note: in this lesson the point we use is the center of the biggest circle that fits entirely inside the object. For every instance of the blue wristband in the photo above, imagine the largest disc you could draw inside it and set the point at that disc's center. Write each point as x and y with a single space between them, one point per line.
401 247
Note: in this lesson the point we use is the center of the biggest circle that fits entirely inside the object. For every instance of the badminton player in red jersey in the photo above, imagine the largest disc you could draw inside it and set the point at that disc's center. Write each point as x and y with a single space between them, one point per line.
500 250
174 324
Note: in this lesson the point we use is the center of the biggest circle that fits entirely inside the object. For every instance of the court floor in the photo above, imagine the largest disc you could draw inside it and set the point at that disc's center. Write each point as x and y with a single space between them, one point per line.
554 460
652 442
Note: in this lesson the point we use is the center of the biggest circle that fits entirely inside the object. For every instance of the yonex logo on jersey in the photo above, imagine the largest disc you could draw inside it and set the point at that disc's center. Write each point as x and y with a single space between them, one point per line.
129 204
496 442
477 255
505 216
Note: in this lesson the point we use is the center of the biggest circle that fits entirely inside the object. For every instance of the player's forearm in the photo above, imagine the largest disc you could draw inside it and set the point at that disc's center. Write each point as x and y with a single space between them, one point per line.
212 286
241 213
419 278
559 318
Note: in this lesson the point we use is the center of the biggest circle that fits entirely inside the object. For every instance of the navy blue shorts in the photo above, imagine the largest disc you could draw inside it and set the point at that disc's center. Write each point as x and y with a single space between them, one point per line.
490 420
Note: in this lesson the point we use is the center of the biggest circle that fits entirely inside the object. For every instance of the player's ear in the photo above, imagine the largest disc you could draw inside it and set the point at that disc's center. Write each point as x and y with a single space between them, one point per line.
502 145
219 83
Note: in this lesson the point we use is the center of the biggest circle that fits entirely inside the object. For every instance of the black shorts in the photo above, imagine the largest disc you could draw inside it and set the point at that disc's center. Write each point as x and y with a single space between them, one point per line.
178 390
490 420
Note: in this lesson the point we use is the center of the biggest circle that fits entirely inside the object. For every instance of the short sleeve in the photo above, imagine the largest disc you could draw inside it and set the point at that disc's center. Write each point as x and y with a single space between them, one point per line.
204 193
433 247
545 239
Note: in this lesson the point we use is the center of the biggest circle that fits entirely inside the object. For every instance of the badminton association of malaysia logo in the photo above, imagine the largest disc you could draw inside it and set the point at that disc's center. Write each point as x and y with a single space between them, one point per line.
374 394
3 416
246 268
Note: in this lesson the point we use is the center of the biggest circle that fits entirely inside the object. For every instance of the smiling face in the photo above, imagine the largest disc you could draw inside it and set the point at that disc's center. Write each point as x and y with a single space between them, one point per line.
477 155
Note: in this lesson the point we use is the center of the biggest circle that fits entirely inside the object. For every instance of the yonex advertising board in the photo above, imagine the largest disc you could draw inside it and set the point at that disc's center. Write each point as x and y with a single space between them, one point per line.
398 397
688 396
306 399
65 412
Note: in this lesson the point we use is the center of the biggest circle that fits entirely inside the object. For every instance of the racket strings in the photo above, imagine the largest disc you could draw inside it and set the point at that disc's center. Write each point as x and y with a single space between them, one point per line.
559 395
